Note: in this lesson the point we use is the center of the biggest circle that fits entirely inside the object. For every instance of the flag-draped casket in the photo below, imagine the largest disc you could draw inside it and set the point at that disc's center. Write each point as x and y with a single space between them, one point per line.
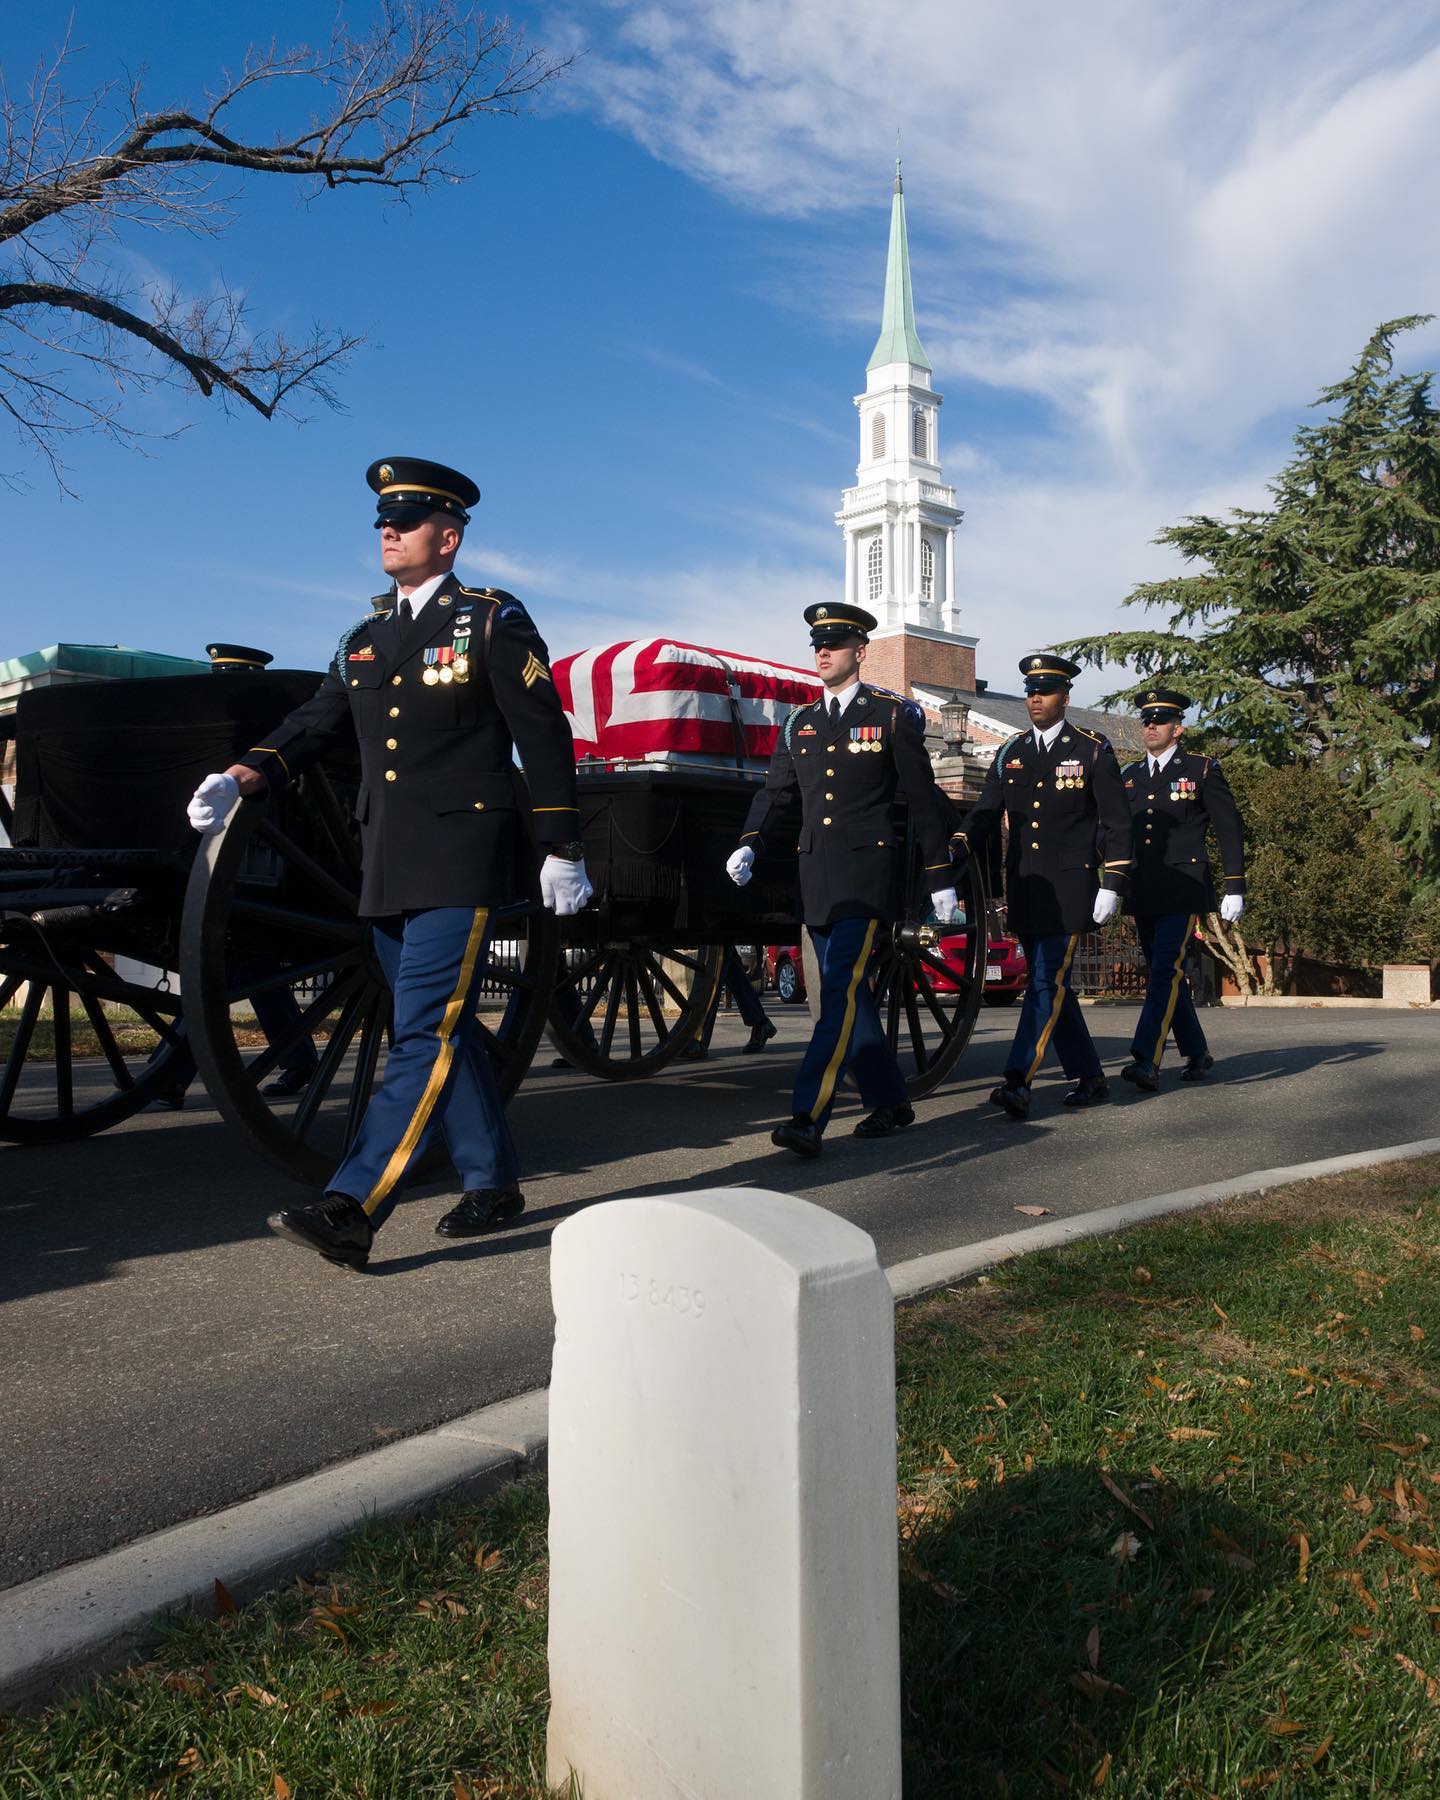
653 699
661 831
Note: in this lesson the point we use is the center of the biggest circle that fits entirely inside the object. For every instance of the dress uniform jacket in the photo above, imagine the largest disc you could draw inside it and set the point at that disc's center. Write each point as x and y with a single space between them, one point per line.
846 778
1170 813
1069 828
438 799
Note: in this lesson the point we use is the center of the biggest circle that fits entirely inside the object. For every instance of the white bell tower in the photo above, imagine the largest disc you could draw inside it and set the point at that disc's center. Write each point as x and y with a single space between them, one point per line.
900 518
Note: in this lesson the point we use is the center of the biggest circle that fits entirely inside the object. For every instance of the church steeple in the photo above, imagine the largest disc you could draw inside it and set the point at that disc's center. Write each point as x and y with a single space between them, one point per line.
900 517
898 342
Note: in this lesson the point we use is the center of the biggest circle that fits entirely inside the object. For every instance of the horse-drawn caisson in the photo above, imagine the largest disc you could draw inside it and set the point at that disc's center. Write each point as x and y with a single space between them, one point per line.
133 954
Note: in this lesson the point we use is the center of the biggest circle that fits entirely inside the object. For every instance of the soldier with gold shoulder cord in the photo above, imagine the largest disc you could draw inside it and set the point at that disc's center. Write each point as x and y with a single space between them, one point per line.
845 757
1174 795
441 686
1058 788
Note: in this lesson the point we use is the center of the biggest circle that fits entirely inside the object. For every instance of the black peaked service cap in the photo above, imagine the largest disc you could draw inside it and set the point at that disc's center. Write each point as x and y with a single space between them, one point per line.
410 489
1159 706
226 658
837 621
1046 673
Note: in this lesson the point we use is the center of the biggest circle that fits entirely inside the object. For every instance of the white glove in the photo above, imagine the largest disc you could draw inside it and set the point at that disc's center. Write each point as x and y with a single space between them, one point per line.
564 885
1231 907
946 903
211 803
739 866
1107 904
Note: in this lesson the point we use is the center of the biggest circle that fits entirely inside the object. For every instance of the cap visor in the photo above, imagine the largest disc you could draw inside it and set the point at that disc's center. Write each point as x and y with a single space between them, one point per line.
403 514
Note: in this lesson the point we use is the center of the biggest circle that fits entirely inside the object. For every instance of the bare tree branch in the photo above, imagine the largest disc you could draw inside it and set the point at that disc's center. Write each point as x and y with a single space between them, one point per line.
380 109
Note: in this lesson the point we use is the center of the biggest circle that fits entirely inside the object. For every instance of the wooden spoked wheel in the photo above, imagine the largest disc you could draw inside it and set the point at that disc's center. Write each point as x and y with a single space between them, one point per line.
928 981
622 1011
82 1048
280 979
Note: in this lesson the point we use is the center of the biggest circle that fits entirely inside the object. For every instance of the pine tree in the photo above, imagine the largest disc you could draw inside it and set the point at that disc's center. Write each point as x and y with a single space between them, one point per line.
1311 632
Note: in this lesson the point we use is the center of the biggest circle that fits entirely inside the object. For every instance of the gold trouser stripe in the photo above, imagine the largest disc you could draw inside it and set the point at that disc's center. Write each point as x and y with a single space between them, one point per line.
1060 992
1176 977
444 1056
847 1026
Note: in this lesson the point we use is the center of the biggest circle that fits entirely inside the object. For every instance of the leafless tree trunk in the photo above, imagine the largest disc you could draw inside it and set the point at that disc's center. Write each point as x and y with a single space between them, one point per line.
1227 944
382 109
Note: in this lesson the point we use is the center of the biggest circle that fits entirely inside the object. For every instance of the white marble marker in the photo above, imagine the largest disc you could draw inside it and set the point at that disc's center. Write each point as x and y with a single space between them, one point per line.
723 1579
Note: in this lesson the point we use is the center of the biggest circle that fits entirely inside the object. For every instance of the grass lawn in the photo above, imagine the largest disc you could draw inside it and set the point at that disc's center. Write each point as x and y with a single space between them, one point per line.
1167 1516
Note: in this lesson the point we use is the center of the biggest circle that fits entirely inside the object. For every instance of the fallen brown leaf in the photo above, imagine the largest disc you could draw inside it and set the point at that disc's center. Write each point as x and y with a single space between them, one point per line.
223 1602
1428 1682
1102 1774
1302 1543
189 1761
375 1709
1283 1727
1126 1547
1181 1434
1092 1646
1114 1488
1141 1275
1417 1334
281 1788
262 1696
1096 1687
487 1559
1199 1596
1221 1310
1033 1212
1317 1756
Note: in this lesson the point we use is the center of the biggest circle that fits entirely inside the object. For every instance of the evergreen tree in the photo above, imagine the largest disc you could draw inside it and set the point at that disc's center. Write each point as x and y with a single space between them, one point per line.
1311 631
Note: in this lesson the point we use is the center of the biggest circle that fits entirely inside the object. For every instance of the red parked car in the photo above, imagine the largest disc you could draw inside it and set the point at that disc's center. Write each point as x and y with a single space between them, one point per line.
1005 968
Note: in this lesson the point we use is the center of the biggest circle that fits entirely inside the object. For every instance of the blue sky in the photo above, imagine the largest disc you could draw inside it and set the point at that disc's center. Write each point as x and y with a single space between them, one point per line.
1142 239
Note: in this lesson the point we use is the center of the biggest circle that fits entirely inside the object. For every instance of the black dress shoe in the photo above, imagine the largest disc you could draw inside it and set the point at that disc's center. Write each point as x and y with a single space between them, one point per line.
886 1120
760 1036
479 1210
1197 1067
1014 1097
799 1134
289 1082
336 1226
1089 1090
696 1052
1143 1074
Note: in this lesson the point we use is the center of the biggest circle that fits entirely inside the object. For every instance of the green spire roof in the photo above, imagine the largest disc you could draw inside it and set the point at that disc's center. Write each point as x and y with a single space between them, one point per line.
898 341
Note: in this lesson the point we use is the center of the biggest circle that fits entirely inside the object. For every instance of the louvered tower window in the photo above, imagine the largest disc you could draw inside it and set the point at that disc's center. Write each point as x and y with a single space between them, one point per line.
922 433
877 436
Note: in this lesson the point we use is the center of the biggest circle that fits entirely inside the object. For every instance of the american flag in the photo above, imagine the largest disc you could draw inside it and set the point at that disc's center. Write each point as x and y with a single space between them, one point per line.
654 697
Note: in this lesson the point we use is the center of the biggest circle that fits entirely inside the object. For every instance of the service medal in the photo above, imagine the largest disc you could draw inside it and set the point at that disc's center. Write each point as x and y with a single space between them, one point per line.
447 674
461 666
430 676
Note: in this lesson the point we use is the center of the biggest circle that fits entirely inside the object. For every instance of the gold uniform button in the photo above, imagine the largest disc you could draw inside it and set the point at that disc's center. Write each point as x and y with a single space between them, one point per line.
394 712
824 821
1034 802
479 806
354 682
1034 846
392 743
395 681
829 771
390 775
1039 784
829 796
833 749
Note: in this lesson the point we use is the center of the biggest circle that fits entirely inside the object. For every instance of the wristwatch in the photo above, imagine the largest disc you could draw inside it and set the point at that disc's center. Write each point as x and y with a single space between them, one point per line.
574 851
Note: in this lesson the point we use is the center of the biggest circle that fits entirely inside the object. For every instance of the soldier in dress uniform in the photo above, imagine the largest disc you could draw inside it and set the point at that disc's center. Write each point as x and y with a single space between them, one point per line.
1174 794
440 686
845 757
1058 787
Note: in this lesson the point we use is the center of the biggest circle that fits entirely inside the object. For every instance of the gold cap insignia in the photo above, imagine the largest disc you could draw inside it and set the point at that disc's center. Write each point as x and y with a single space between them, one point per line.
822 612
385 472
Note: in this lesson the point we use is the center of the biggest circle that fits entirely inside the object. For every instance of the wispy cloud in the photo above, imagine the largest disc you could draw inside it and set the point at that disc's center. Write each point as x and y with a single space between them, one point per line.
1161 229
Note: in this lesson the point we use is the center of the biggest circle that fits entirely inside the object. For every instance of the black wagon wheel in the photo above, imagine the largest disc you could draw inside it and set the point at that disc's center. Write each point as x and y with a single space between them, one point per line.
622 1010
274 957
81 1048
929 980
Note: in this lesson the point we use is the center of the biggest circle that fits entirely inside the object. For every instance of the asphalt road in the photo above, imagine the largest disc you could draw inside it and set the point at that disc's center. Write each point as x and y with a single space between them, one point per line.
162 1356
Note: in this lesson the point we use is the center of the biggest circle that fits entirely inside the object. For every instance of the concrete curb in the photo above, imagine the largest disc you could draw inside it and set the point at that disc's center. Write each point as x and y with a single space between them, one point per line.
77 1622
924 1274
80 1621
